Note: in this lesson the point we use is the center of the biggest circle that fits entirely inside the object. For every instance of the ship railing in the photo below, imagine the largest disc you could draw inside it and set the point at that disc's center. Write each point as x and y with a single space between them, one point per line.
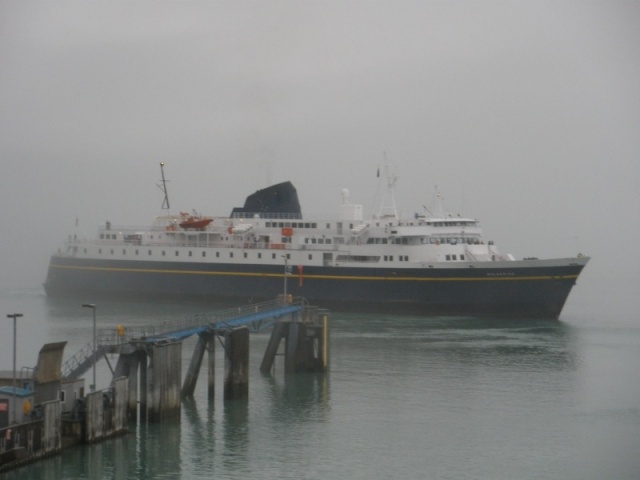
269 215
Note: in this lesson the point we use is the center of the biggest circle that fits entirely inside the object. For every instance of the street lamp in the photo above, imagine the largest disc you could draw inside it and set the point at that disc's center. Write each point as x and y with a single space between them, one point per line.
95 346
15 393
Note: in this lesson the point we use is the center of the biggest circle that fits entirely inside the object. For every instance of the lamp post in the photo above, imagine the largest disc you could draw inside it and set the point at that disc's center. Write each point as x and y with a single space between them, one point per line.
93 307
15 393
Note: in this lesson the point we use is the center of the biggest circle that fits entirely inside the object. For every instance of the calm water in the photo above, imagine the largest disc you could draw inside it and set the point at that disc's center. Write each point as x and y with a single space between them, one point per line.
406 397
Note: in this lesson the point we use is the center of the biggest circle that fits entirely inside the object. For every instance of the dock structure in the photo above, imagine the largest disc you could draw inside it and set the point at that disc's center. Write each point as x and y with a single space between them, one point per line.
150 356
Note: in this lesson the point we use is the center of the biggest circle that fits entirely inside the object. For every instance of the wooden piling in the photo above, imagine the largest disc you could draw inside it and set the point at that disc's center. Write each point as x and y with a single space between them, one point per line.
132 400
307 345
294 345
211 348
277 334
143 371
166 373
236 365
127 366
191 379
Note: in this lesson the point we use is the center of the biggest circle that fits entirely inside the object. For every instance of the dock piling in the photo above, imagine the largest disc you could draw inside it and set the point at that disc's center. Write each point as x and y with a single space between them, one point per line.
236 365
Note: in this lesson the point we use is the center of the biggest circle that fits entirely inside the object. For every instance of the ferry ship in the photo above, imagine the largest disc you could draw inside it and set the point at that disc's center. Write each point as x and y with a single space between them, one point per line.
431 263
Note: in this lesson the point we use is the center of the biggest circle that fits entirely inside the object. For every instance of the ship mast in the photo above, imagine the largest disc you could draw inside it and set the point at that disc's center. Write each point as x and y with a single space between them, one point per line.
388 204
163 187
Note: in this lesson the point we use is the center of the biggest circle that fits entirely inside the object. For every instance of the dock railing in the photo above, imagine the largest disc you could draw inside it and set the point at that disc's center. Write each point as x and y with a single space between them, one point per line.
110 340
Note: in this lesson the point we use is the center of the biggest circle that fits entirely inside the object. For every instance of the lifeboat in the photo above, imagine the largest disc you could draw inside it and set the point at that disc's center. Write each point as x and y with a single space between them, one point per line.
194 222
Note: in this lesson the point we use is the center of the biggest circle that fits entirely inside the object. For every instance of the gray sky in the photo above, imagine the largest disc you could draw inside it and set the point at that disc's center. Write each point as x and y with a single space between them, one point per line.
526 114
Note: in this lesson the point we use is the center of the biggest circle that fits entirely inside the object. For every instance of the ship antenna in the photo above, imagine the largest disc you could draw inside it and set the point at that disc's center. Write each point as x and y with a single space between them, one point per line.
389 210
165 203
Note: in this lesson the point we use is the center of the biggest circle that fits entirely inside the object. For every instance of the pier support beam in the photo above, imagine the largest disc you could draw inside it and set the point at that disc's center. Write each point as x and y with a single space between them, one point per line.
277 334
194 367
211 377
166 373
143 364
127 366
306 344
236 364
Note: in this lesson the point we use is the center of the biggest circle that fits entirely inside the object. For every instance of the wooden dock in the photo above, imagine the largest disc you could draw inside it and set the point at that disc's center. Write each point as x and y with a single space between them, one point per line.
150 356
148 373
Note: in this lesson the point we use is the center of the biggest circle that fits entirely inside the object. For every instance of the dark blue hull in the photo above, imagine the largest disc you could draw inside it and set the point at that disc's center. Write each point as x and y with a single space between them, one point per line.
535 292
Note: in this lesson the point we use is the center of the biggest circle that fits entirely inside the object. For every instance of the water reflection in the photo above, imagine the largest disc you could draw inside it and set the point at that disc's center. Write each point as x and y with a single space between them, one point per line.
455 342
300 398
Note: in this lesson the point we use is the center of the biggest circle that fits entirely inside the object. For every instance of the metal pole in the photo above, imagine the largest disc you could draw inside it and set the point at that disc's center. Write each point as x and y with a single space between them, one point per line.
95 346
15 393
285 277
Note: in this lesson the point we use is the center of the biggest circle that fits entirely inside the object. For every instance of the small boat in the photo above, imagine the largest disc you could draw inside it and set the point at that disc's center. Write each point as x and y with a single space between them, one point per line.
194 222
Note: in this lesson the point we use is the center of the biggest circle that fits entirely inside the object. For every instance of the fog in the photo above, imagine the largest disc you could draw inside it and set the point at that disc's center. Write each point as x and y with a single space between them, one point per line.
526 115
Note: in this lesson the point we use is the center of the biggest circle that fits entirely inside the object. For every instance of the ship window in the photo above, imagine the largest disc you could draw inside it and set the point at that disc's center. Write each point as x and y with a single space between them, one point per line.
217 254
112 251
124 251
391 258
204 254
461 257
273 255
85 250
288 256
137 252
313 240
245 254
307 225
259 255
190 253
101 235
448 257
310 257
177 253
163 253
328 240
149 252
230 254
454 257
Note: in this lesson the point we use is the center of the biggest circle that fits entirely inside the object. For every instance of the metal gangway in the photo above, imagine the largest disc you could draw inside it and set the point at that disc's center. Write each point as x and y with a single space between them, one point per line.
256 316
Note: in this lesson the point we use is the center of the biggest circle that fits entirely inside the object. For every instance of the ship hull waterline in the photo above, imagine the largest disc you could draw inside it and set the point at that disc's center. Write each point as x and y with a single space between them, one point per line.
503 290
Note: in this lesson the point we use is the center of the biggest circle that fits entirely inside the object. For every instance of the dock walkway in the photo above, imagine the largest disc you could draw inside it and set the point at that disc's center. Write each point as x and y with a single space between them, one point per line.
257 317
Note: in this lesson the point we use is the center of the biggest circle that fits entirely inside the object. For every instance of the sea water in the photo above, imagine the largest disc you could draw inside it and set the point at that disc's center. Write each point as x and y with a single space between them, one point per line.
406 397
